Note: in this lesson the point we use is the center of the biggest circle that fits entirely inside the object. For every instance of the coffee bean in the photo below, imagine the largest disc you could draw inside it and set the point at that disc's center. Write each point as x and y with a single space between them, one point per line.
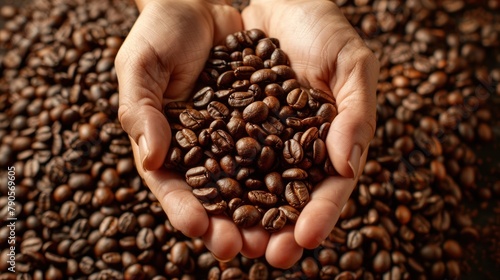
197 177
256 112
273 220
109 226
263 76
246 216
262 198
294 174
292 151
248 147
351 260
297 194
229 188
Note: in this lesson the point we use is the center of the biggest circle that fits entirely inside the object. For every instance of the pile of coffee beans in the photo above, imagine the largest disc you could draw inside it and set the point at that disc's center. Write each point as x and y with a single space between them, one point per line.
251 142
83 212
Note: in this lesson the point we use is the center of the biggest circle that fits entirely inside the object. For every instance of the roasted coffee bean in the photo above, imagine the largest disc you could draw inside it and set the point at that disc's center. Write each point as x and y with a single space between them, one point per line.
197 177
127 222
267 159
290 212
273 220
109 226
229 188
274 183
265 48
222 140
297 194
297 98
193 156
262 198
292 151
272 126
248 147
256 112
294 174
354 239
145 239
215 207
263 76
192 119
203 97
218 110
186 138
283 72
255 131
246 216
351 260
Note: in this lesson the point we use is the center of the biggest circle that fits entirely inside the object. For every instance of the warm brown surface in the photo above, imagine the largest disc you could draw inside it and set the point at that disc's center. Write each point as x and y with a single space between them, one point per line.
482 267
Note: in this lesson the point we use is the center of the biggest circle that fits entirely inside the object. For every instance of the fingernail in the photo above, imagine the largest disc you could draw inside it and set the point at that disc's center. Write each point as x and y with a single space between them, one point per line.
354 160
143 151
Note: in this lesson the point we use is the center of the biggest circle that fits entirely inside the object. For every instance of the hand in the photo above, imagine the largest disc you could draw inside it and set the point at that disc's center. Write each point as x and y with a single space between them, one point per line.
160 61
326 53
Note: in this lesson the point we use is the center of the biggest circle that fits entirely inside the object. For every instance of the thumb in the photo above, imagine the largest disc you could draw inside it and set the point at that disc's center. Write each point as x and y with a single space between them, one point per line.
147 127
140 108
353 128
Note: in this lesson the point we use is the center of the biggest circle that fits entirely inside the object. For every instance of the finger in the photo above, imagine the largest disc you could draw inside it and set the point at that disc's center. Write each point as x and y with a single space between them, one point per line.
252 18
222 238
227 21
282 249
142 80
320 215
353 128
176 199
255 241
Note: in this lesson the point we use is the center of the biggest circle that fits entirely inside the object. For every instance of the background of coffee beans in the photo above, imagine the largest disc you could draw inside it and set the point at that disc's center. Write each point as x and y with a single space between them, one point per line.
426 207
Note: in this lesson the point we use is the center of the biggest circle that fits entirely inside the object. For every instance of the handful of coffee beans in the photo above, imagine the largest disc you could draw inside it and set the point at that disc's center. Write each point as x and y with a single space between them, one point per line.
251 142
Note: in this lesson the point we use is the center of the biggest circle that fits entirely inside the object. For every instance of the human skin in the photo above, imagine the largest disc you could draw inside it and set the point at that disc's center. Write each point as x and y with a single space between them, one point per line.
160 61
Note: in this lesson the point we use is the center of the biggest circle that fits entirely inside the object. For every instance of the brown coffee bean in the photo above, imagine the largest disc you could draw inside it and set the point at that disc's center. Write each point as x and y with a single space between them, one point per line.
248 147
109 226
292 151
192 119
274 183
255 131
246 216
452 249
127 222
262 76
262 198
218 110
186 138
297 194
222 140
145 239
273 220
198 177
229 188
351 260
354 239
297 98
267 159
255 112
294 174
203 97
265 48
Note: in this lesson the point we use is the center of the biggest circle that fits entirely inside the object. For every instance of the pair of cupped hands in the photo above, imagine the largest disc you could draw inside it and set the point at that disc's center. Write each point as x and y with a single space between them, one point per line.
160 61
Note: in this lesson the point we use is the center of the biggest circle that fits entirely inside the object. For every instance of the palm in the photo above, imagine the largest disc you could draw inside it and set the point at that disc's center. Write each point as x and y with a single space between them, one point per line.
326 53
